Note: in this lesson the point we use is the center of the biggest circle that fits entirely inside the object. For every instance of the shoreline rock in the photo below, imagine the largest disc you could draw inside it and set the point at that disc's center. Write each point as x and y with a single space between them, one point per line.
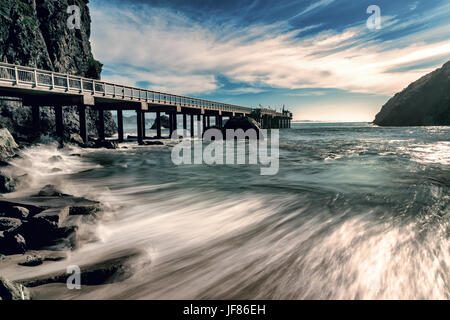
13 291
50 219
112 268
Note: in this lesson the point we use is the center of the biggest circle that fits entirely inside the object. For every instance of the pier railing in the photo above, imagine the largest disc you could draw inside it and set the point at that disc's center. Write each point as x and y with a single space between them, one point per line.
48 81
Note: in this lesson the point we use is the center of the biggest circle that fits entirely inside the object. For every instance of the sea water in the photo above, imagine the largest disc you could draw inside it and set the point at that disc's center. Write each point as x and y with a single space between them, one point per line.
355 212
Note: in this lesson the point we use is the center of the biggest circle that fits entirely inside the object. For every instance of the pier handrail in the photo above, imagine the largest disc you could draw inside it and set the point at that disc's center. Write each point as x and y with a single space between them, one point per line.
50 80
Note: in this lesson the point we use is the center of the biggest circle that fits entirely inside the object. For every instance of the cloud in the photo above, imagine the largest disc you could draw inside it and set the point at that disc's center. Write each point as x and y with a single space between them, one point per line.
183 56
313 6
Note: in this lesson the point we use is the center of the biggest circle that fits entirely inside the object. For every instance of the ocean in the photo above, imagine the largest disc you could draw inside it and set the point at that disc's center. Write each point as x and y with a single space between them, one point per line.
355 211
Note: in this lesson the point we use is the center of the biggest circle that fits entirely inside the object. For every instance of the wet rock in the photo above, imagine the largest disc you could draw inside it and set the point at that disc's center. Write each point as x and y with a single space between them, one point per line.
18 212
114 268
53 216
69 232
153 143
7 224
107 144
54 159
55 256
11 243
90 144
8 146
7 207
50 191
13 291
6 184
244 123
31 261
85 210
164 122
76 138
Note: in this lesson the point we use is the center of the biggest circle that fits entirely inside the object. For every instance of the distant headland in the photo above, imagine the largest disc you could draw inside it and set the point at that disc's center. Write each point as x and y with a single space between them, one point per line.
425 102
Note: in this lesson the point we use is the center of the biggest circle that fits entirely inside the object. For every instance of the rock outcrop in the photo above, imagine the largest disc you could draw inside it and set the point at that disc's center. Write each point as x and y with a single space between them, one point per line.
164 122
35 33
425 102
8 149
244 123
8 146
12 291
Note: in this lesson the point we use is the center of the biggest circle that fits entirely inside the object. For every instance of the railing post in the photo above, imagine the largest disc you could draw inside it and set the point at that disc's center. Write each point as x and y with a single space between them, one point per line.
81 85
53 81
68 83
17 75
35 78
93 86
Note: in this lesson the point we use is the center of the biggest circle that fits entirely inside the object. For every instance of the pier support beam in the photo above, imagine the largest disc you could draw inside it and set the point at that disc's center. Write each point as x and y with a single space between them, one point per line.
170 124
101 124
218 121
140 135
83 124
59 123
192 125
184 121
158 125
208 121
143 125
120 124
204 124
199 129
175 122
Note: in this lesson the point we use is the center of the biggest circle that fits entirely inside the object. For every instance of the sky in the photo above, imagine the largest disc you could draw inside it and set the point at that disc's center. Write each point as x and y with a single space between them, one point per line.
318 58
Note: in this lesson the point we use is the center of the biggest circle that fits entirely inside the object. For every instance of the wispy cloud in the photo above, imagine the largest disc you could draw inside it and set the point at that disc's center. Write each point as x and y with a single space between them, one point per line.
176 53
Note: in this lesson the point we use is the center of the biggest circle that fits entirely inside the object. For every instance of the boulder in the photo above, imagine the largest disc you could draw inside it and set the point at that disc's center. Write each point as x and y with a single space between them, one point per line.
31 261
51 217
76 138
164 122
85 210
8 224
108 144
6 184
8 207
18 212
153 143
244 123
12 291
54 159
8 146
11 243
112 268
50 191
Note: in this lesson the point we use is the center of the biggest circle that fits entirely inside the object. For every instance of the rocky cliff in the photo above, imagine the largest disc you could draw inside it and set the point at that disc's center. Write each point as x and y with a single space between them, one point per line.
425 102
35 33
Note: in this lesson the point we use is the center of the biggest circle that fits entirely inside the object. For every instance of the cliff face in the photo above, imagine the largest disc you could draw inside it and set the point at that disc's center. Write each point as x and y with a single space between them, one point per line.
35 33
425 102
